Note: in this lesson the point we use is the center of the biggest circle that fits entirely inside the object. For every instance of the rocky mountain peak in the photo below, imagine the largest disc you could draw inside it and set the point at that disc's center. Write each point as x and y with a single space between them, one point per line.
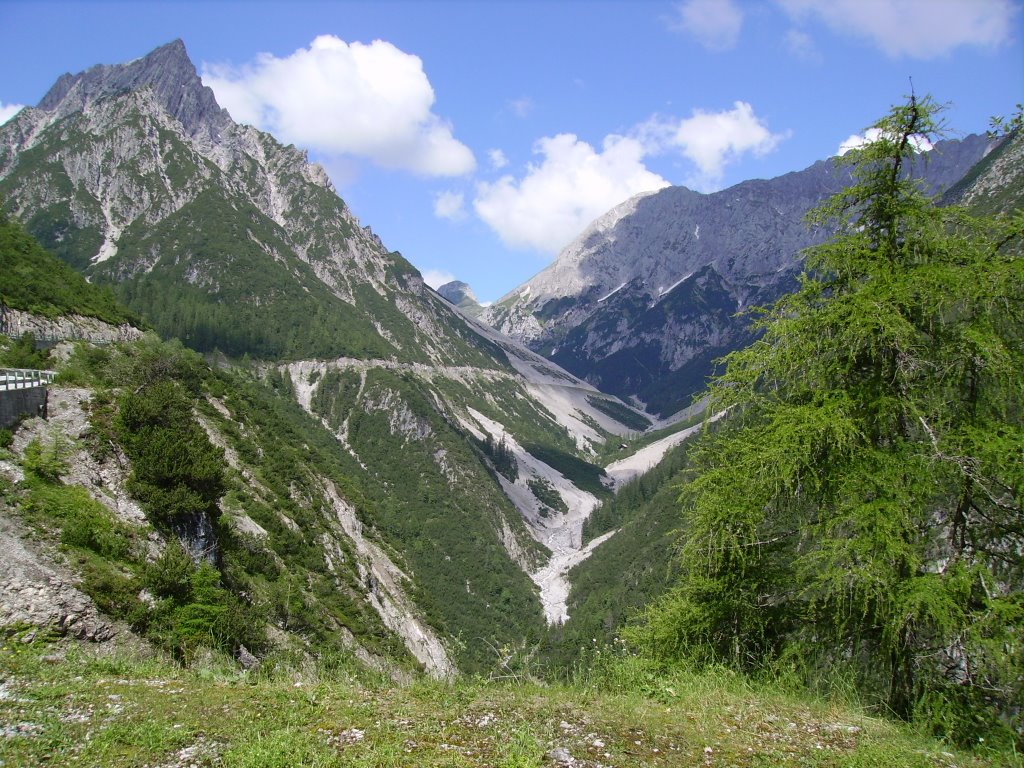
461 295
167 70
646 298
456 292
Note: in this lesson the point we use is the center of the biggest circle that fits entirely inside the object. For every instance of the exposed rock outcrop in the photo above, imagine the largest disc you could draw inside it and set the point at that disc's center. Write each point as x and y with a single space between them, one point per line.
37 592
461 295
14 322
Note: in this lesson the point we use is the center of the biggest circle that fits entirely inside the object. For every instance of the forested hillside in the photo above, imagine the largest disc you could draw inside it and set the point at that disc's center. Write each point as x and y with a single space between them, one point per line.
35 282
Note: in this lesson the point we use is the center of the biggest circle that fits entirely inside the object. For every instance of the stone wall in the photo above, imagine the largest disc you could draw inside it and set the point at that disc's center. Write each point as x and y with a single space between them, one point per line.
16 403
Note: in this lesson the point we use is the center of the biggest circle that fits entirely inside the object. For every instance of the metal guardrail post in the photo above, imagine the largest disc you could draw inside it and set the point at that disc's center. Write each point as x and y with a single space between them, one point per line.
24 378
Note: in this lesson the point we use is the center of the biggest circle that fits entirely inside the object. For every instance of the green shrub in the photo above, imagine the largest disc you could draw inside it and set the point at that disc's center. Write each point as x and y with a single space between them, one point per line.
45 463
194 609
546 494
168 576
84 367
22 353
115 592
84 523
176 471
92 528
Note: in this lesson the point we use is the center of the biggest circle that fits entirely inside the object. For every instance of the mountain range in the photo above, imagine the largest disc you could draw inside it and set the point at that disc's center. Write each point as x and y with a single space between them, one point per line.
652 292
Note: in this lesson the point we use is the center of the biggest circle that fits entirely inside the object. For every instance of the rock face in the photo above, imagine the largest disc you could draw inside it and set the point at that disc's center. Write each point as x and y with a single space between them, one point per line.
996 184
461 295
167 71
644 300
36 592
14 323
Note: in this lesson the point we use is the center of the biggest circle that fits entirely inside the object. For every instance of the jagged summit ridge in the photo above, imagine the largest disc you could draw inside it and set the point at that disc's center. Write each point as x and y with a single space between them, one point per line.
661 237
168 70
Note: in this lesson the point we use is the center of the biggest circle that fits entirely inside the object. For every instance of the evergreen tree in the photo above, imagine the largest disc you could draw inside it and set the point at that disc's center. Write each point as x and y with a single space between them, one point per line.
860 509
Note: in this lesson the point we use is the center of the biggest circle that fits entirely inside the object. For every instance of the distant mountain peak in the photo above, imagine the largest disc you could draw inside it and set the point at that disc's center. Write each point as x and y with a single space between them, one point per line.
167 70
456 290
646 298
461 295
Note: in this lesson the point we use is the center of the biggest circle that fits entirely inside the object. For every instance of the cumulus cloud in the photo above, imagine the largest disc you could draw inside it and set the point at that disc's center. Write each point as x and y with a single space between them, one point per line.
921 29
712 140
858 140
365 100
450 205
497 158
801 45
715 23
7 111
571 186
573 183
435 278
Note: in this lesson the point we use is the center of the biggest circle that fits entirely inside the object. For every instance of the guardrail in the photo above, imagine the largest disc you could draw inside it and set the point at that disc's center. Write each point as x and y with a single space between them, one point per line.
24 378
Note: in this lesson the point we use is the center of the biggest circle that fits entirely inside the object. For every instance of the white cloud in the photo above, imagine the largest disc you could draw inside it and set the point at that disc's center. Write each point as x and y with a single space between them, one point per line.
571 186
521 107
449 205
921 29
7 111
801 45
712 140
715 23
858 140
372 101
497 158
435 278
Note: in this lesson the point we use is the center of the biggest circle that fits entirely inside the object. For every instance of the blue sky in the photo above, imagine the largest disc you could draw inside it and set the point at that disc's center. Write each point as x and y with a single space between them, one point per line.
479 138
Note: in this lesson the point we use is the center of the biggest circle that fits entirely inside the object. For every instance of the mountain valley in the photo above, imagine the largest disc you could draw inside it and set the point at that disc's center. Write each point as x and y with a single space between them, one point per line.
269 445
219 236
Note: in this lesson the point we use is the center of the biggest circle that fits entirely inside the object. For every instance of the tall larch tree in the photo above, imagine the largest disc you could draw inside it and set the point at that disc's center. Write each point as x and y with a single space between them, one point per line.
858 513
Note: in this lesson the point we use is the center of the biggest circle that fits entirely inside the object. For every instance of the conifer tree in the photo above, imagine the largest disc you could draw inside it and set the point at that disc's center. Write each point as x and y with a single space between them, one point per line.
859 511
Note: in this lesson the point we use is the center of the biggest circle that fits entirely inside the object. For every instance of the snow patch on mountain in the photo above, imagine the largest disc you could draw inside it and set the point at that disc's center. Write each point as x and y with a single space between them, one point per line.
613 292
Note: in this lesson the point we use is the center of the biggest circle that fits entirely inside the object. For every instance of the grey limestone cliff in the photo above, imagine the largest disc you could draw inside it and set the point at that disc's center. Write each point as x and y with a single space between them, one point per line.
168 71
460 295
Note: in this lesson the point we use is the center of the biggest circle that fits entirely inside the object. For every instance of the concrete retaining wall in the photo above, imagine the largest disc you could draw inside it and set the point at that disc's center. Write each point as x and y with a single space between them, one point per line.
17 403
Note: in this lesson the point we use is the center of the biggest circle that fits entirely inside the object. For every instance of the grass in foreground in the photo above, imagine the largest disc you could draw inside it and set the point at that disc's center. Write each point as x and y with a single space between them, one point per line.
68 705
